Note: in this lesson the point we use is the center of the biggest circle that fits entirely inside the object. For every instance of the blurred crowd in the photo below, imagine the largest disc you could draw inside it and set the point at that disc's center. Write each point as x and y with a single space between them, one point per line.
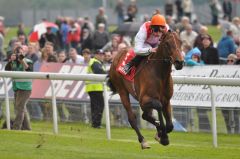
72 36
67 37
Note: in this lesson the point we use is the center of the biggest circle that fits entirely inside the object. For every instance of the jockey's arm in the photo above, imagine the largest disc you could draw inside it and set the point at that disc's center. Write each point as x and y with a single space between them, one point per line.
140 48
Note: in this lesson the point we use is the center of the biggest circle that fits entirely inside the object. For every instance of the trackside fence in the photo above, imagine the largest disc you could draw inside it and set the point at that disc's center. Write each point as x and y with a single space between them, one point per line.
102 78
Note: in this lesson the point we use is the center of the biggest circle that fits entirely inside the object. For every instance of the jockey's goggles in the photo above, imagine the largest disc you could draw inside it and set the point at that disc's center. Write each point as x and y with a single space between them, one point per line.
157 28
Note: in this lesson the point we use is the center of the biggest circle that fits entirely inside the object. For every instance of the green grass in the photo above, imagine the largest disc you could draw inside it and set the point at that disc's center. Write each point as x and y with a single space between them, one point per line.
215 33
80 141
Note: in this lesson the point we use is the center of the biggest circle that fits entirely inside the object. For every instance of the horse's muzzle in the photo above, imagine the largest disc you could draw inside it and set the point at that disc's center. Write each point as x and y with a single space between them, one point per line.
178 65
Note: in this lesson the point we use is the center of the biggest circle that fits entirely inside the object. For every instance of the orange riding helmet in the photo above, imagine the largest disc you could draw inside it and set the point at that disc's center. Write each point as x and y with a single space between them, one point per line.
158 20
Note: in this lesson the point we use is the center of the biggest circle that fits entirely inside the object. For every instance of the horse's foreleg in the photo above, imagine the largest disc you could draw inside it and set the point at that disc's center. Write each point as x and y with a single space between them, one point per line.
147 114
167 112
155 104
132 120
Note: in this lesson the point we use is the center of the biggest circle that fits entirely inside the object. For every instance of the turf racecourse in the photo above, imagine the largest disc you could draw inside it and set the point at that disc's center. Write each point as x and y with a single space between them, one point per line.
80 141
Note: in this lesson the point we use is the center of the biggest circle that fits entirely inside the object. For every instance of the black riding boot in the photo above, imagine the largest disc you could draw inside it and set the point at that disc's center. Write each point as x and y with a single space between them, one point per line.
134 62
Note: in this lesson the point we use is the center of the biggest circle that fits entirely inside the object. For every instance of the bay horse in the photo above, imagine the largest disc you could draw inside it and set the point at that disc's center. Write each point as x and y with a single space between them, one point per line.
152 86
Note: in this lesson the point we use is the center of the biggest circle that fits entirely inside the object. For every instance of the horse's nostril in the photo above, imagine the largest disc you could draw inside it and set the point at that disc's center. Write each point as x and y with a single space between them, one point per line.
179 65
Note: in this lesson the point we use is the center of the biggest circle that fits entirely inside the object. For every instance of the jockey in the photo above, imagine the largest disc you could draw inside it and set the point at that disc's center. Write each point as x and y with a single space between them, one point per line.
147 40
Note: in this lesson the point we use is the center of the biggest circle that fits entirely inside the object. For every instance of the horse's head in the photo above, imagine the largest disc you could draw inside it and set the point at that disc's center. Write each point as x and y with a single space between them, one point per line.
170 49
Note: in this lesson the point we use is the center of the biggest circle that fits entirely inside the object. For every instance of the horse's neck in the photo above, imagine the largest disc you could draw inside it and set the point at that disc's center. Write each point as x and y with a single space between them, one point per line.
164 70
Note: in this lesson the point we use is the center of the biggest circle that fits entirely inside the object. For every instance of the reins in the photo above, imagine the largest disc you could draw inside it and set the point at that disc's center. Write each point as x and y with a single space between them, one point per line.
160 59
170 59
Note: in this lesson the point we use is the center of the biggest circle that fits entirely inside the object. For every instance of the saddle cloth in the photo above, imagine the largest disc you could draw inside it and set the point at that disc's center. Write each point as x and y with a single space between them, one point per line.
129 56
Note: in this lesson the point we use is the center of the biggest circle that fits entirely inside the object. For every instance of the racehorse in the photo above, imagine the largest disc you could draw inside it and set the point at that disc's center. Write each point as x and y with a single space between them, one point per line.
152 86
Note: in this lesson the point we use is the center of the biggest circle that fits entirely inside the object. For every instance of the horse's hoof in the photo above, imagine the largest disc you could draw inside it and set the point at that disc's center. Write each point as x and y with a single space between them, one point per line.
164 141
145 145
157 138
169 128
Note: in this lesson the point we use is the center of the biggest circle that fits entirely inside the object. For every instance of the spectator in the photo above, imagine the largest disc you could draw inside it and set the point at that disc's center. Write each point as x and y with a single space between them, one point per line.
193 58
235 27
168 8
179 8
171 23
86 55
64 32
108 57
224 25
74 58
86 40
185 48
62 57
198 41
73 112
74 34
188 35
12 45
231 59
38 51
132 10
119 9
21 87
182 25
48 54
101 18
196 26
88 25
187 6
214 12
21 29
95 89
231 117
33 107
209 54
100 37
113 44
227 9
49 36
32 52
226 45
238 56
22 38
59 20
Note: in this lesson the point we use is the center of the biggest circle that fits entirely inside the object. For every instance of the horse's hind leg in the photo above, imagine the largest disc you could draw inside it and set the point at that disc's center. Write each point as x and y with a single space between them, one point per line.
132 119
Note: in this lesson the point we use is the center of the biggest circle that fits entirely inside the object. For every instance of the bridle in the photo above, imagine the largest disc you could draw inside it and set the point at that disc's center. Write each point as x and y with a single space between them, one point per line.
170 58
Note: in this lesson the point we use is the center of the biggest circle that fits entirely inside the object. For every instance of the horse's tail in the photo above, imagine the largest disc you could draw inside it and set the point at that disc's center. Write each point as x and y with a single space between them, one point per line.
110 85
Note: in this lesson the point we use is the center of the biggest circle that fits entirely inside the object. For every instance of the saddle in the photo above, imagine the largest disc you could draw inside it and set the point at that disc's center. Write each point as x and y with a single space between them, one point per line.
128 57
